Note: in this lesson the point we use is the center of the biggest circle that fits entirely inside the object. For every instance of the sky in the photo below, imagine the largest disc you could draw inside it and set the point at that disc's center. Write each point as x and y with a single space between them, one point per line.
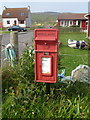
74 6
44 0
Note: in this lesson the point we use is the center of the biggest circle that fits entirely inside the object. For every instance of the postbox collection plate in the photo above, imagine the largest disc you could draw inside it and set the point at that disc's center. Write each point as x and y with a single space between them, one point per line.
46 65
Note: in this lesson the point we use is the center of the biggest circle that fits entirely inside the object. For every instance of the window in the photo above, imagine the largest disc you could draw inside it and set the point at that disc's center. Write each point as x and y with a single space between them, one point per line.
22 14
65 23
70 23
15 22
7 14
78 23
86 22
8 22
21 22
61 23
16 26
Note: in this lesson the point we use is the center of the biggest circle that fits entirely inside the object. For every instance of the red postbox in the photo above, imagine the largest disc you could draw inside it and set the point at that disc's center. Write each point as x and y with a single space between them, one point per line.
46 55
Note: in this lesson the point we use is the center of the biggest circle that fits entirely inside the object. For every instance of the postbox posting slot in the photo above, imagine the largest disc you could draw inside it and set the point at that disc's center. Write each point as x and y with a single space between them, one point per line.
45 39
46 65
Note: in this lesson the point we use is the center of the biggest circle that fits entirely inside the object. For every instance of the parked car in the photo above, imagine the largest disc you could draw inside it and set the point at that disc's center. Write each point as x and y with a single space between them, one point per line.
17 28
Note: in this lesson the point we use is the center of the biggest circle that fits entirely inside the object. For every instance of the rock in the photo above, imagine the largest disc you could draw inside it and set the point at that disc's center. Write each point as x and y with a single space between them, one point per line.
81 73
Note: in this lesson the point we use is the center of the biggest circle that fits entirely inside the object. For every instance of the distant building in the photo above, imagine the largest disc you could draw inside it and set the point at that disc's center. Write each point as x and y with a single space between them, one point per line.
16 16
88 19
72 19
87 16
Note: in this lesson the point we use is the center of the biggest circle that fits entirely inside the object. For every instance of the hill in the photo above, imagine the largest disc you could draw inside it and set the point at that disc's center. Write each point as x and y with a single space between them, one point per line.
44 17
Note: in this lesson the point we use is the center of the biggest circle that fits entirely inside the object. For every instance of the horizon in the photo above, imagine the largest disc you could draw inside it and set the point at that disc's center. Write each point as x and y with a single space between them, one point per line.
53 12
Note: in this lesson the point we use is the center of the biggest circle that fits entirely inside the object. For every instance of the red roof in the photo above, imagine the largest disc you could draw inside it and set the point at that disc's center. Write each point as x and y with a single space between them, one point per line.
72 16
20 13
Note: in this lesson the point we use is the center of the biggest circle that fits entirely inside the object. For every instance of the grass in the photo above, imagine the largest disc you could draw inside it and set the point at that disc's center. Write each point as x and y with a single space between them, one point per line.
24 98
2 31
70 57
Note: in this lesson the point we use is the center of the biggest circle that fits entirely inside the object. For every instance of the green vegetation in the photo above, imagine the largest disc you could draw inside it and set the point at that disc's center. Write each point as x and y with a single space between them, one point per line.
3 28
24 98
44 17
71 58
4 31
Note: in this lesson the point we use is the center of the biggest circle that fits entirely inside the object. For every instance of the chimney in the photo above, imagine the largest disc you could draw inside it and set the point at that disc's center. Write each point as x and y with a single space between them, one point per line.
5 7
28 7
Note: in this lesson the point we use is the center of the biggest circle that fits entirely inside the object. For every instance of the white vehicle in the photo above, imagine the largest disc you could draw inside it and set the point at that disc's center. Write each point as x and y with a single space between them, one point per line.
77 44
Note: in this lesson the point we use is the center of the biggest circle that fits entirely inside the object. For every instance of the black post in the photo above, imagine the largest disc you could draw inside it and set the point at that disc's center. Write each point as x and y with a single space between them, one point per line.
47 88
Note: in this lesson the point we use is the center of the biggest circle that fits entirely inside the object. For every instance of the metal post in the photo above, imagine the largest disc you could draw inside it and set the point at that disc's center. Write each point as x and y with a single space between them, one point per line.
47 88
14 42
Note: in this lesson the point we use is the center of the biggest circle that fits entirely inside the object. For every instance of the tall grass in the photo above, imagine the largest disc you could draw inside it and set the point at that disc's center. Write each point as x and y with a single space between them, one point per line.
24 98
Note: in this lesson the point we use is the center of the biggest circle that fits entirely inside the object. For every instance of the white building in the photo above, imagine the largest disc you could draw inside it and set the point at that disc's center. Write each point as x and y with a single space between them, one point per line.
16 16
72 19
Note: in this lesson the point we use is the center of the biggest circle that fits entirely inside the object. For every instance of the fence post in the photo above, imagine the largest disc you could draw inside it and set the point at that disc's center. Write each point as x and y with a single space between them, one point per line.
0 48
14 42
0 78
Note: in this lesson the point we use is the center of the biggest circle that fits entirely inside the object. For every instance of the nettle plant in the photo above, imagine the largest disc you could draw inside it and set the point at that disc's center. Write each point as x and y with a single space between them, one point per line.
26 63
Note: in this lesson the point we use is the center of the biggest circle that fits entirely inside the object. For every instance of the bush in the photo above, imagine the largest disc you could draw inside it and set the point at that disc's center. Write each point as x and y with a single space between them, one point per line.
75 26
69 29
22 72
24 98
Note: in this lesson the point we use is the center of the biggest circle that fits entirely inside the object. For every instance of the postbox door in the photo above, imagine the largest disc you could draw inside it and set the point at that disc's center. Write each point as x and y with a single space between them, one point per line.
46 67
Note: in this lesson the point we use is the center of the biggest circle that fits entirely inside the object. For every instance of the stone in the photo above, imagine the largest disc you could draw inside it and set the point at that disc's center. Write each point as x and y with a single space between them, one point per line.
81 73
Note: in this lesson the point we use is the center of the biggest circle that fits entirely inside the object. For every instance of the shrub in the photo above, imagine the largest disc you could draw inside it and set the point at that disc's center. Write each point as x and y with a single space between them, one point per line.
24 98
23 71
75 26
